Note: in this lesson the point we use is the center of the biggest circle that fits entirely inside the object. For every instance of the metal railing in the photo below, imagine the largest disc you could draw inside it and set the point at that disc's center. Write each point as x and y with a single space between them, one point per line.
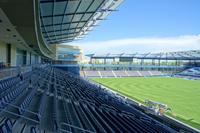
74 127
14 71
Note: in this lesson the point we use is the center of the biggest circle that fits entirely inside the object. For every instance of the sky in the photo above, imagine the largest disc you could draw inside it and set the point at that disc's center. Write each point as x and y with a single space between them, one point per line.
146 26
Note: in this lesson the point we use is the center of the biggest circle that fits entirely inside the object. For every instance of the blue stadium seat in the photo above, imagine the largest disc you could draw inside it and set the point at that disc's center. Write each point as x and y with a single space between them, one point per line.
34 130
3 129
27 101
6 127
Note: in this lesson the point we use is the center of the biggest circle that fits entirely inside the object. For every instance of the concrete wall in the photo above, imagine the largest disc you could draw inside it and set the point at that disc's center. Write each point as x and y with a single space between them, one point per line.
39 59
13 55
27 58
3 53
34 59
20 57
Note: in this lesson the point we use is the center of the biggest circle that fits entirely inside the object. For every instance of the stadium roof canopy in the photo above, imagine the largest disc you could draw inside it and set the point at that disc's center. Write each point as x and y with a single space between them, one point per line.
35 24
66 20
181 55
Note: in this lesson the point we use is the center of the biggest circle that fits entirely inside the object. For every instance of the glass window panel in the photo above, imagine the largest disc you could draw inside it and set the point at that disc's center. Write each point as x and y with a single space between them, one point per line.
46 9
86 16
63 32
81 24
77 30
71 7
71 31
77 17
57 20
67 18
59 7
47 21
65 26
96 4
52 39
58 36
49 28
65 36
84 5
57 32
51 33
73 25
57 27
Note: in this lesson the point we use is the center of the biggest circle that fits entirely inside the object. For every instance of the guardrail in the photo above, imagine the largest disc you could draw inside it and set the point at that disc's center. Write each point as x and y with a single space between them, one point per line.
10 72
14 71
74 127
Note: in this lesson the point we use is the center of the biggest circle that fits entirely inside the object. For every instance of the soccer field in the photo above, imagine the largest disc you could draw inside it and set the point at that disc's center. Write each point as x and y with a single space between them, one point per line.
181 95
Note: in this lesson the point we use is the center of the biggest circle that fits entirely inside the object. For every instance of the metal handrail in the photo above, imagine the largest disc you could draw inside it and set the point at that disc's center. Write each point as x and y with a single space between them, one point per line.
19 115
18 107
66 124
9 72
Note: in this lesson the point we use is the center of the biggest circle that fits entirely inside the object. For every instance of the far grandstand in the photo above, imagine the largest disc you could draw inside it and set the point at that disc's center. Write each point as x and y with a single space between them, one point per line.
170 80
140 65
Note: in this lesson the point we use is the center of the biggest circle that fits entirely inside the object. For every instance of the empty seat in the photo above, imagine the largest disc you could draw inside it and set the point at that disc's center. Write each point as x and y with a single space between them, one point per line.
6 127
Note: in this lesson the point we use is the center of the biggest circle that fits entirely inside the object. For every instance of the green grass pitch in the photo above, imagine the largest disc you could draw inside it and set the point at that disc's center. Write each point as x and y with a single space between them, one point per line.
181 95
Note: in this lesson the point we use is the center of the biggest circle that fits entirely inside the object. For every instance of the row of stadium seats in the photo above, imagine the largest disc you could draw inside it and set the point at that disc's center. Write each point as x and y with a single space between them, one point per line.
57 101
7 125
14 101
119 73
7 83
190 73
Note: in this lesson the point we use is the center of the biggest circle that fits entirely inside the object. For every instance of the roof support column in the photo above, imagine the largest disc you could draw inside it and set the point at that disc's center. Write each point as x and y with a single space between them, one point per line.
141 63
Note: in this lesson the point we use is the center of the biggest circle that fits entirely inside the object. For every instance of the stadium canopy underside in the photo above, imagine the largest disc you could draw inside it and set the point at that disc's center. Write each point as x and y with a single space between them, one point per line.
64 21
38 24
180 55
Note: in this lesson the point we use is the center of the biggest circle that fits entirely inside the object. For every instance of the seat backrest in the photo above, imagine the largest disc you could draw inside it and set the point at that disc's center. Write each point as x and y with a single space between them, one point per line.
3 129
8 124
33 130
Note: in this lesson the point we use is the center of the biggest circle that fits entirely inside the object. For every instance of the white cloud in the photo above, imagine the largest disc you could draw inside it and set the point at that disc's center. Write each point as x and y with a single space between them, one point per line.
143 44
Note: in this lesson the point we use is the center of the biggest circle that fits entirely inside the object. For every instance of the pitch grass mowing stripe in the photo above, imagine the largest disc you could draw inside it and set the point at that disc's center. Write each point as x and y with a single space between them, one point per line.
182 96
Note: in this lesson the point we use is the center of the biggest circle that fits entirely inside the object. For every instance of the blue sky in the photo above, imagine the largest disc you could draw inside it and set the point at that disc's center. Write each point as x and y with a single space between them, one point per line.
145 24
